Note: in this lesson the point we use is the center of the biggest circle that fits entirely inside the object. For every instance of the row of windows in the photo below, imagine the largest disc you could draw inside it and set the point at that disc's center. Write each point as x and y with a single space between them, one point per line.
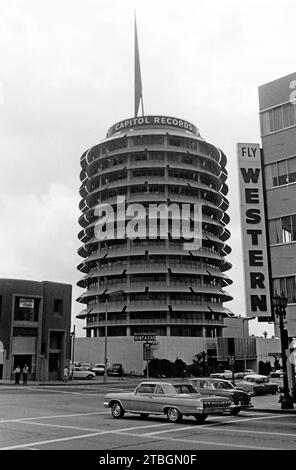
282 230
178 297
155 316
280 173
156 156
278 118
141 140
173 279
187 331
287 285
159 190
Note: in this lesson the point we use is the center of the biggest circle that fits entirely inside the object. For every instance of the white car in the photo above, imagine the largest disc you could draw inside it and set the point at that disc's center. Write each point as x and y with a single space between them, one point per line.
99 369
80 373
226 375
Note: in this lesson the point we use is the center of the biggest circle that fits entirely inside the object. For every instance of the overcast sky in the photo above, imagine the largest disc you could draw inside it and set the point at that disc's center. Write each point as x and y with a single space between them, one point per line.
67 75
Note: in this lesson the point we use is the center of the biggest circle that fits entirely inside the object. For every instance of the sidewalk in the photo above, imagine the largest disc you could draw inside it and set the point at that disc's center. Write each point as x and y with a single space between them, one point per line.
270 404
95 381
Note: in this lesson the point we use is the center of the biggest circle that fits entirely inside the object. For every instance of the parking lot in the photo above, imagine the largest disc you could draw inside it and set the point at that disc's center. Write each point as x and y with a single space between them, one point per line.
73 417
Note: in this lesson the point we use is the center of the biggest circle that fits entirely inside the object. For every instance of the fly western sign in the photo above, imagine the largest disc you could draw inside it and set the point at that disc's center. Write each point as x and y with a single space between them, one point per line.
255 254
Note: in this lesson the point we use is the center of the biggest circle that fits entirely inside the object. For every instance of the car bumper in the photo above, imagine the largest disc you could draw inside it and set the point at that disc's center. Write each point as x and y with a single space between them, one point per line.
106 404
215 409
242 406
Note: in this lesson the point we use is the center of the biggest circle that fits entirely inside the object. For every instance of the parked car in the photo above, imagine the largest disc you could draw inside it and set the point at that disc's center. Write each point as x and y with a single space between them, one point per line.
223 388
257 385
99 369
158 398
81 373
227 374
115 369
240 374
278 374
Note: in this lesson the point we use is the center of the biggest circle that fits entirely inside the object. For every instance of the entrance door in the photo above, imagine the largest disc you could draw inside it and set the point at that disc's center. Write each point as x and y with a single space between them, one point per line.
54 366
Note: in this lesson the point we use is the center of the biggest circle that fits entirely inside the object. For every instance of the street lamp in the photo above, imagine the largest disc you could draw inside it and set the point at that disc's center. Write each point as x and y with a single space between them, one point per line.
280 304
106 296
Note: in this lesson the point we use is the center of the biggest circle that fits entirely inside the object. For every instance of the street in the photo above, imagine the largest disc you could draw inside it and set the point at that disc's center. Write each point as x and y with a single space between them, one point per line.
73 417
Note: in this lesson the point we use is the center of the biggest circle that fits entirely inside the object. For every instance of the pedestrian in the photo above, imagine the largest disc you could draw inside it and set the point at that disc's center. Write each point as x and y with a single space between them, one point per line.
25 371
120 372
66 374
17 373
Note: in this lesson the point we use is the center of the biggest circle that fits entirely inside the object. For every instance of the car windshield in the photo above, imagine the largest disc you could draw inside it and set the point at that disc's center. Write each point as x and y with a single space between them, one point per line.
184 388
222 385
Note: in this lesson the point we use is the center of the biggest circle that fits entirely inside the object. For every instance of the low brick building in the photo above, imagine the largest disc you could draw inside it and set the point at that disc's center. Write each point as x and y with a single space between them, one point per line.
35 320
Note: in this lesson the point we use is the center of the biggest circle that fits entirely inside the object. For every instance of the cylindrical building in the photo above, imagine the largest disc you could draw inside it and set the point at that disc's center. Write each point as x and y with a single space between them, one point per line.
163 287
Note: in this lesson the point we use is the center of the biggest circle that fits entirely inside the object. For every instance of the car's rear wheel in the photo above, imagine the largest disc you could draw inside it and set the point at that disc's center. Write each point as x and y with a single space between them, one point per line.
144 415
201 418
235 411
117 410
174 415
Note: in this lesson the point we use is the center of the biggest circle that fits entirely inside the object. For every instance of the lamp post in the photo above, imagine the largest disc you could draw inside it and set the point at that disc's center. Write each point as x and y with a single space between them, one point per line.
72 334
280 304
106 296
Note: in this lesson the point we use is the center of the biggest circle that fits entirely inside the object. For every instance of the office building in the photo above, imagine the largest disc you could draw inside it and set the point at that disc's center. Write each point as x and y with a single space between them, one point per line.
277 102
162 286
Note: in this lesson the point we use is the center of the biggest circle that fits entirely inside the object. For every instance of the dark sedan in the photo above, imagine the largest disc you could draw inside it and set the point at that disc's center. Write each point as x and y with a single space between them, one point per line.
210 386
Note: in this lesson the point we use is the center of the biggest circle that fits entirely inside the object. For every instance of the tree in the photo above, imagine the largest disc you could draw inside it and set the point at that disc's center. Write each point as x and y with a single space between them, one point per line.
199 366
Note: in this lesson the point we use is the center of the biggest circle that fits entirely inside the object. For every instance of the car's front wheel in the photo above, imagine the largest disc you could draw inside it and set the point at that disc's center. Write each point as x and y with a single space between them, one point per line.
201 418
235 411
174 415
117 410
89 377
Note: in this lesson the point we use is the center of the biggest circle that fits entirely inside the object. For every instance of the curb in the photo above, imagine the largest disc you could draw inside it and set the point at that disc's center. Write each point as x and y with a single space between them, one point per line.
270 410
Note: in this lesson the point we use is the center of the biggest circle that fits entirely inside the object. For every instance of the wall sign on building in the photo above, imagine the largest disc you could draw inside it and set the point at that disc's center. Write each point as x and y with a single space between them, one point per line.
26 303
255 254
153 121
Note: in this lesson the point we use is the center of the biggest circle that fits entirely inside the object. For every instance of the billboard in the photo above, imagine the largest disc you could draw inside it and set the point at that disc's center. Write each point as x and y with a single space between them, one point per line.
255 251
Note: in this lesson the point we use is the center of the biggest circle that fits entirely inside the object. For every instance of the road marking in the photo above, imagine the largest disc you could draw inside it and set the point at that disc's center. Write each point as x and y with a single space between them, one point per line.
193 441
218 424
81 436
54 416
94 394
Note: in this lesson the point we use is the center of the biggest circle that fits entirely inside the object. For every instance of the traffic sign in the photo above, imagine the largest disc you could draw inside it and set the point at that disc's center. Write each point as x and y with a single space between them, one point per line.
145 336
147 352
276 354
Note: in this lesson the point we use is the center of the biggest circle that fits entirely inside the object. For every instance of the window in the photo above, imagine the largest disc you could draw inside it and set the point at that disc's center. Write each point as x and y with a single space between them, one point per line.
287 286
291 289
159 390
26 309
186 388
145 388
58 306
275 234
286 229
292 170
278 118
282 230
282 172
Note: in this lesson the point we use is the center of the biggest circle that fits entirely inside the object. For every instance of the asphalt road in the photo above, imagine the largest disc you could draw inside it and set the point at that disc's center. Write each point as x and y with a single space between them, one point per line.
73 417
